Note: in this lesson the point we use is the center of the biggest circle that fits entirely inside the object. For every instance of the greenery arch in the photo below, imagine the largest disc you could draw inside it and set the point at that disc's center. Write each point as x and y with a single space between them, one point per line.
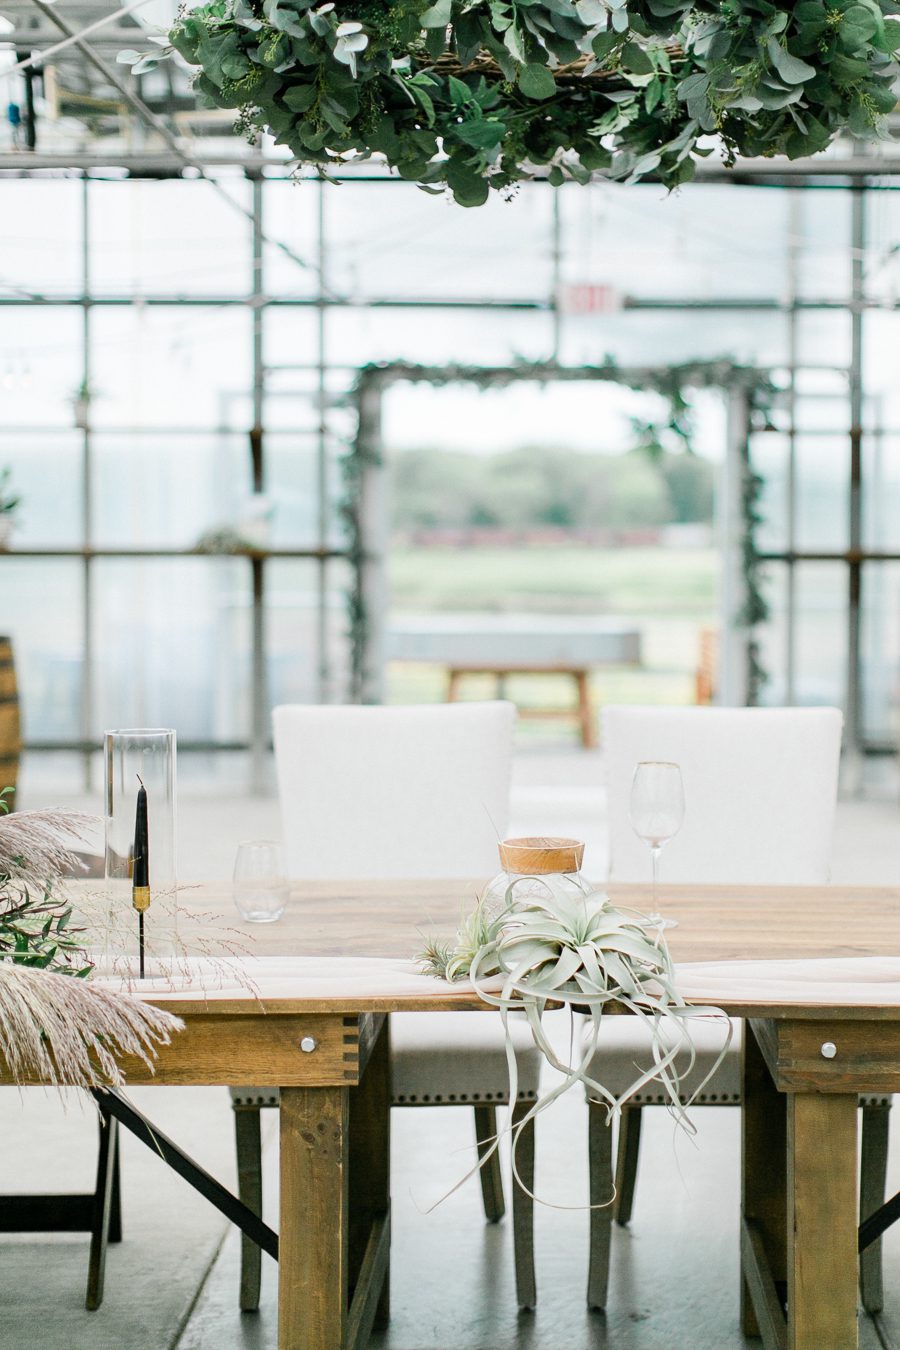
674 383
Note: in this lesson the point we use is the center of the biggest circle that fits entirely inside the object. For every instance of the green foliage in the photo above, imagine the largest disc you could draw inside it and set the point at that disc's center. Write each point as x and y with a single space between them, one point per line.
674 383
36 932
8 501
475 93
538 486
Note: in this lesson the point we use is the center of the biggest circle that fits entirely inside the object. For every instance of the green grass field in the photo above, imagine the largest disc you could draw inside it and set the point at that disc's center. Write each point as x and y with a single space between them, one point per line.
670 594
556 580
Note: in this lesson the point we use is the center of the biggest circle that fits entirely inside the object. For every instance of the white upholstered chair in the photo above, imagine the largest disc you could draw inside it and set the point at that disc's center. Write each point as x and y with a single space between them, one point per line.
397 792
760 788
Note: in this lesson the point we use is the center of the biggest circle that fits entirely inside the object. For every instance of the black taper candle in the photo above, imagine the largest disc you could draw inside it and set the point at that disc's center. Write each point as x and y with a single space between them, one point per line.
140 875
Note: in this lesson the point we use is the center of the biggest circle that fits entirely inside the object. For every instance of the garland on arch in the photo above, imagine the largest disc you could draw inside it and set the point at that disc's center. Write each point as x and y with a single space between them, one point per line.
478 94
674 383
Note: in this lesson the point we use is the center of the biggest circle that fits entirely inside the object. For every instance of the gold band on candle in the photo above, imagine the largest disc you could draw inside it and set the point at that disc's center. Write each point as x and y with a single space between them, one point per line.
140 898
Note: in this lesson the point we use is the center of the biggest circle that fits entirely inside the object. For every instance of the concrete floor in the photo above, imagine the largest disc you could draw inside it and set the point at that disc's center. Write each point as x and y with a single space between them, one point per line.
172 1284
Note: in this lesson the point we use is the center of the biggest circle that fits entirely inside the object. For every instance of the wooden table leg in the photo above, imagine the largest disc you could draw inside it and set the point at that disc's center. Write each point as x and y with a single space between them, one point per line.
764 1198
822 1257
312 1257
370 1164
585 711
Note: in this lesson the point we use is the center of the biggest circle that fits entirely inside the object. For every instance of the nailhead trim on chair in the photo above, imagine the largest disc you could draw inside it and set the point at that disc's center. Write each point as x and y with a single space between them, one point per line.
414 1099
719 1099
426 1099
467 1100
705 1099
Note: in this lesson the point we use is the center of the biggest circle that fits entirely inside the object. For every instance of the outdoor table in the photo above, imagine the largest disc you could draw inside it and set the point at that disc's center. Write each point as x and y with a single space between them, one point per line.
312 1021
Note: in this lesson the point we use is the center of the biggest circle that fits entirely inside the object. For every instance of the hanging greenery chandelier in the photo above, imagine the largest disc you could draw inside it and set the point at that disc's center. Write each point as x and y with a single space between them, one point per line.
481 94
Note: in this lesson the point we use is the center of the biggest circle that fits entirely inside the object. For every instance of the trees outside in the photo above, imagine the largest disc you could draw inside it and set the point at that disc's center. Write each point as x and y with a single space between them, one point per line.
540 486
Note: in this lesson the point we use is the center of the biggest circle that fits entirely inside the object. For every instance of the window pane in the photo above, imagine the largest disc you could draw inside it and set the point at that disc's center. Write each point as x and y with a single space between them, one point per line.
772 638
821 231
708 242
173 645
304 601
389 240
770 458
47 475
821 633
172 237
433 337
880 651
881 491
168 490
41 365
40 237
43 613
823 487
662 337
171 366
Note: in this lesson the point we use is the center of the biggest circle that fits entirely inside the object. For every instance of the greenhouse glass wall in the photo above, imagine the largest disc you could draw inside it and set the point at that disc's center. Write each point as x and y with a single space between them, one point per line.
176 363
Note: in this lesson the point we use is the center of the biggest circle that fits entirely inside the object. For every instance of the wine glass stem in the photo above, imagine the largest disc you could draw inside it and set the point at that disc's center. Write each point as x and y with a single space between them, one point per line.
654 863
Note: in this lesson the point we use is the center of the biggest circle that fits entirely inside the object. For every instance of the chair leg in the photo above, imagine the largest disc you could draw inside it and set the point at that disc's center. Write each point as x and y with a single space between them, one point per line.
523 1211
115 1213
102 1210
491 1174
248 1138
627 1154
873 1172
600 1170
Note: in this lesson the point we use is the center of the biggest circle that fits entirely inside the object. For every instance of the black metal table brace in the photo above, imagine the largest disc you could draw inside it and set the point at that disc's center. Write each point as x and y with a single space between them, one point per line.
871 1229
114 1105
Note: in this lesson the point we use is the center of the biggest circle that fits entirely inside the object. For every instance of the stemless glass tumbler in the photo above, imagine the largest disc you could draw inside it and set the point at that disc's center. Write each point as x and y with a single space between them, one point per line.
260 884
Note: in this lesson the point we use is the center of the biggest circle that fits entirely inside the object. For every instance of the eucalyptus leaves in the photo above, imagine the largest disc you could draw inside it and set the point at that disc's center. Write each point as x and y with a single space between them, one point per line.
554 940
475 94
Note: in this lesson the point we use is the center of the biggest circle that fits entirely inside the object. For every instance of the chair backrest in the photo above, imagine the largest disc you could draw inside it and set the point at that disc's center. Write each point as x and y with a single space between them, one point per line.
760 787
394 792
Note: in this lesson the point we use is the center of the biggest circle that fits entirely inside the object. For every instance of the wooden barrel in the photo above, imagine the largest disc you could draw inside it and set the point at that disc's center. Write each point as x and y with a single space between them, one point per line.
10 742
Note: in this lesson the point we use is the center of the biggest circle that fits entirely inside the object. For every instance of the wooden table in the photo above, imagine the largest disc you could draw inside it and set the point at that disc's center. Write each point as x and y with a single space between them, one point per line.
502 645
799 1150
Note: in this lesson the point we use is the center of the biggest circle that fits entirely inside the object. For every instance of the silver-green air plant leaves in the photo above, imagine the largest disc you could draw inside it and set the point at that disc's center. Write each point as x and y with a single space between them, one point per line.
555 943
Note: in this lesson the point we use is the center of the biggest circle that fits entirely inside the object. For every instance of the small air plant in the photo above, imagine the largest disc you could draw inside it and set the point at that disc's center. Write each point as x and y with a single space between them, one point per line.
568 945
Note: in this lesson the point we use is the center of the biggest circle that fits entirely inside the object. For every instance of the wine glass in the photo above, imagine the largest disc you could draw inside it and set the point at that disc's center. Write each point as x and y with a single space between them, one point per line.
260 885
657 812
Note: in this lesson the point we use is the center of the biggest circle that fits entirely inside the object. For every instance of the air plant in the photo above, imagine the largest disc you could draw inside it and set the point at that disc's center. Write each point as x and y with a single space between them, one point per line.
568 945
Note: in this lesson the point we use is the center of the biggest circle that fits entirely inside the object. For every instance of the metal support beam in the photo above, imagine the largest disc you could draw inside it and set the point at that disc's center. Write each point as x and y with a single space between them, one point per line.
113 1104
259 735
853 717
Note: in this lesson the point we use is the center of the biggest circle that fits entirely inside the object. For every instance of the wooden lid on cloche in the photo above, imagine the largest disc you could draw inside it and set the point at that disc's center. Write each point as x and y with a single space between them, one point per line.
536 856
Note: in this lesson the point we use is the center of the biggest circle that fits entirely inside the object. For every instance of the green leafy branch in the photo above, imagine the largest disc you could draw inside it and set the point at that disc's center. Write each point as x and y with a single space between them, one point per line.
479 94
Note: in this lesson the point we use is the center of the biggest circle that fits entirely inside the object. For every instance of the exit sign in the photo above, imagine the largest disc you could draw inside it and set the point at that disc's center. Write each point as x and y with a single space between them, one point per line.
588 298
